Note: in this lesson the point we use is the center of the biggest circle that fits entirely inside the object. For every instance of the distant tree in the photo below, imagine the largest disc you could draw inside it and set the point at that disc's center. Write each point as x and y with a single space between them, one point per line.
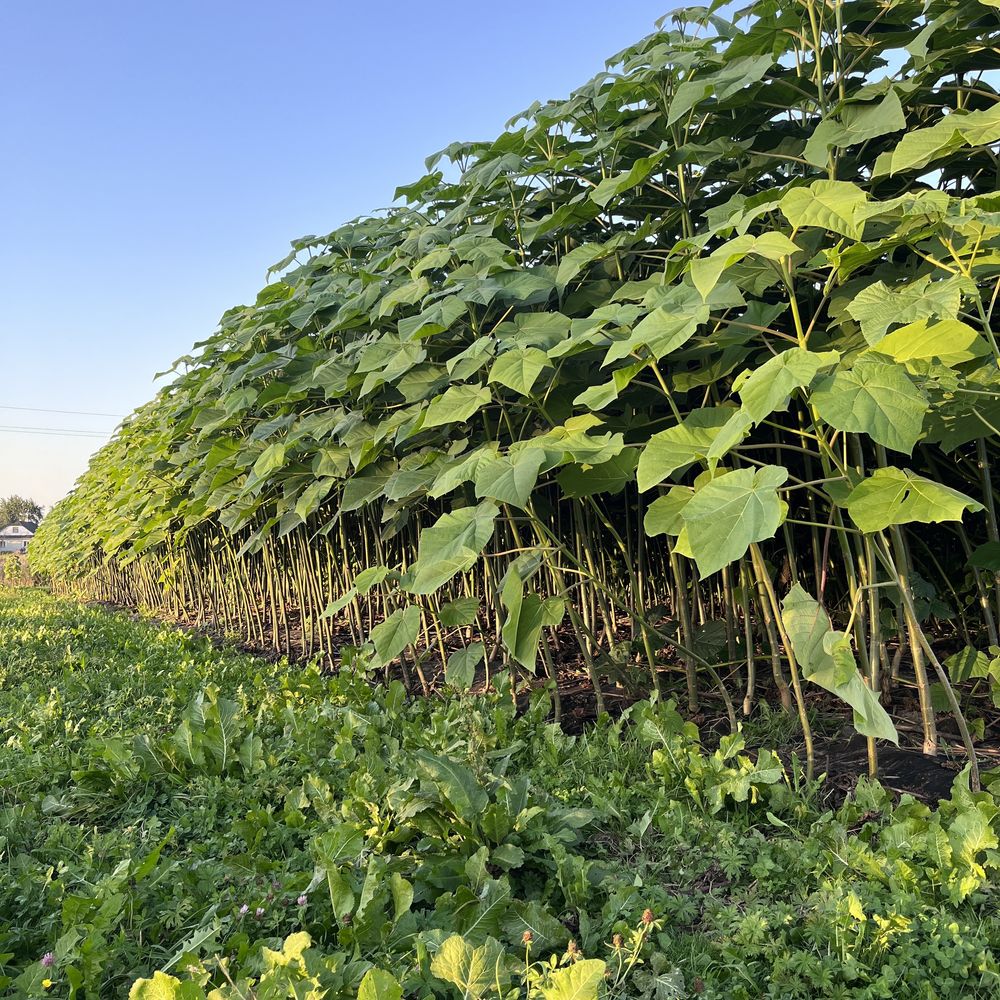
17 508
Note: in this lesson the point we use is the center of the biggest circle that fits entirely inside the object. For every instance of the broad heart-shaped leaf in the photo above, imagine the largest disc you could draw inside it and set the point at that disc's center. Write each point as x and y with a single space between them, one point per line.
730 435
464 470
879 306
662 331
826 659
706 271
732 511
472 971
571 442
270 460
526 614
663 516
461 611
858 123
461 669
519 369
510 478
729 79
451 545
950 341
379 985
875 397
768 388
580 981
397 632
967 663
371 577
896 496
808 627
455 405
831 205
681 445
918 148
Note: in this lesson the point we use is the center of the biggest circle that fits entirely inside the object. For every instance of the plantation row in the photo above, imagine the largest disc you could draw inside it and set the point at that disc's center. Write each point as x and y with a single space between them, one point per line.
183 823
692 370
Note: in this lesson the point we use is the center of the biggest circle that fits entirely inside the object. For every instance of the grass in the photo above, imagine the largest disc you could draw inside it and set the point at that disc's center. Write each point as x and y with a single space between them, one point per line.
165 805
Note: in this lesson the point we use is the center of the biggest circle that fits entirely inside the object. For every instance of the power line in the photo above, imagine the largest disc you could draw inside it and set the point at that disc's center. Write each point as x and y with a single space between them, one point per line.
59 431
72 413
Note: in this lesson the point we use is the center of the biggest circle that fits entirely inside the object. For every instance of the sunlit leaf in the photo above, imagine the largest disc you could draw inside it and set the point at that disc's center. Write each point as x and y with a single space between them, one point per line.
732 511
825 658
875 397
895 496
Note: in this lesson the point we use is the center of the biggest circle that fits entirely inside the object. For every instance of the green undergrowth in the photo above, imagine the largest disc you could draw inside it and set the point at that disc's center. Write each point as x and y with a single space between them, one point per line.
180 821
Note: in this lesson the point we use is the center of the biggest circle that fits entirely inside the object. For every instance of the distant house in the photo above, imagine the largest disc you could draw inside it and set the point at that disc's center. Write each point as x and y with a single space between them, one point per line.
15 537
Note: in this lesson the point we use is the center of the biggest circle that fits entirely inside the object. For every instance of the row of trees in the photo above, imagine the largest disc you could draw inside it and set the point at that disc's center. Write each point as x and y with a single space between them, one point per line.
660 379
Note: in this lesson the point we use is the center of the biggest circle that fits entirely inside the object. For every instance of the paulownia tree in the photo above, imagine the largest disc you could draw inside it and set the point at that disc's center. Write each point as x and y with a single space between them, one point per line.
693 368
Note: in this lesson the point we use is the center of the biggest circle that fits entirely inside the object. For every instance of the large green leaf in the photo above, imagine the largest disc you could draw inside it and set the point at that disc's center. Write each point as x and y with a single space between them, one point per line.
607 477
721 83
397 632
449 546
682 445
948 340
661 332
519 369
580 981
857 123
597 397
767 388
461 611
611 187
455 405
879 306
526 615
918 148
876 397
664 514
509 478
472 971
826 659
727 514
832 205
706 271
896 496
460 671
379 985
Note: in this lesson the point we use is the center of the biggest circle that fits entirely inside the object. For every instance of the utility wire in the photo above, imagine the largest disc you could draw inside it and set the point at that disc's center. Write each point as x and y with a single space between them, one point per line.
59 431
72 413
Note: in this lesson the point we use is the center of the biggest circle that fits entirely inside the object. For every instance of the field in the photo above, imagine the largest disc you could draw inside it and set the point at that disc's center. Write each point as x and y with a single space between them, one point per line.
675 405
168 805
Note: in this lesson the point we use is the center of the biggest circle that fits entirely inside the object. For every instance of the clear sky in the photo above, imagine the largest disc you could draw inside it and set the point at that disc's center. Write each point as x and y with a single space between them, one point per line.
156 157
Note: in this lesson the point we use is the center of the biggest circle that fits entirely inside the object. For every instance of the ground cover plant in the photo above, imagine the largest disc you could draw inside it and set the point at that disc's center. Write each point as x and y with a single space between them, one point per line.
693 370
180 821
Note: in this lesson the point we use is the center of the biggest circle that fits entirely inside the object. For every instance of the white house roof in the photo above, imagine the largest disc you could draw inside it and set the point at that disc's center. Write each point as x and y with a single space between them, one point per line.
27 526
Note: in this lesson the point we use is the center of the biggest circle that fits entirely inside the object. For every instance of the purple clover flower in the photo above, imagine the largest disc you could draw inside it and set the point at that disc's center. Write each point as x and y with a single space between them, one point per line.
48 959
302 900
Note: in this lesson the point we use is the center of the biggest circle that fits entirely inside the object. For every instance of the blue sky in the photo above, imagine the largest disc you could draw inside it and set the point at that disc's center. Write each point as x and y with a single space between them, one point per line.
157 157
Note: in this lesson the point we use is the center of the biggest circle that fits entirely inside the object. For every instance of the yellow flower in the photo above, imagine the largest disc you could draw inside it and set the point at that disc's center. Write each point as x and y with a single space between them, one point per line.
46 983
